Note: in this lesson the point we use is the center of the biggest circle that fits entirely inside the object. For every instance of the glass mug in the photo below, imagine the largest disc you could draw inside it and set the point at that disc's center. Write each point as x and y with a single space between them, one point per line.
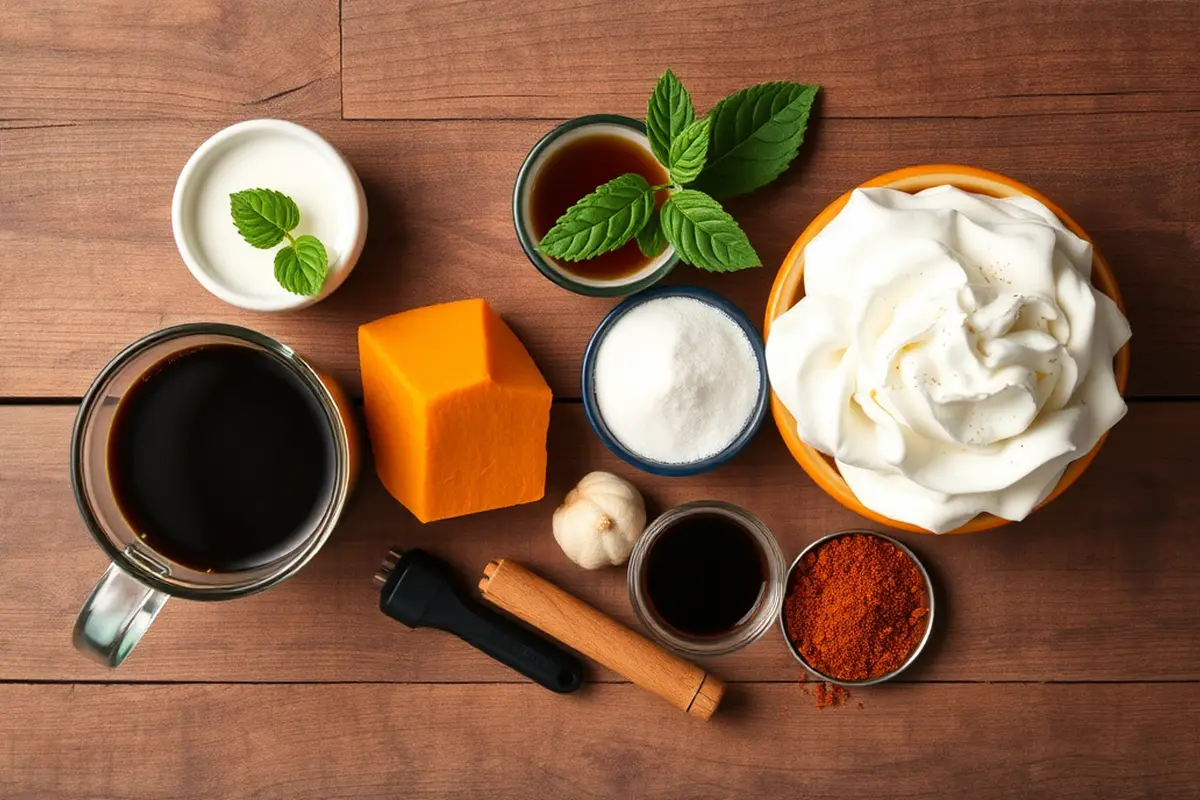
139 580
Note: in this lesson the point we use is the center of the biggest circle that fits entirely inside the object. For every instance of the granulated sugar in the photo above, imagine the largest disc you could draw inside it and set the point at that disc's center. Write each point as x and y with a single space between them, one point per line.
676 380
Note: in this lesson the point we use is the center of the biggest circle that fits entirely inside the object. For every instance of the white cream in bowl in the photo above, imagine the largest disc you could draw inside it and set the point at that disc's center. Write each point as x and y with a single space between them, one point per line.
268 154
950 353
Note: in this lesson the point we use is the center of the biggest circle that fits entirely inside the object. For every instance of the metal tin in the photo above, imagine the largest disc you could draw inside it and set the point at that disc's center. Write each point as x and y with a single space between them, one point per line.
928 618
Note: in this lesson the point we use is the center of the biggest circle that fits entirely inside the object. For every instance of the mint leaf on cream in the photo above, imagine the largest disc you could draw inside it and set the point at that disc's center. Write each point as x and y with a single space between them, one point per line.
302 267
264 218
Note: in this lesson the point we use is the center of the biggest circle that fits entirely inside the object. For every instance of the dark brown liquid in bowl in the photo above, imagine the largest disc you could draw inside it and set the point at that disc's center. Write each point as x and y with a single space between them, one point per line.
221 458
574 171
704 575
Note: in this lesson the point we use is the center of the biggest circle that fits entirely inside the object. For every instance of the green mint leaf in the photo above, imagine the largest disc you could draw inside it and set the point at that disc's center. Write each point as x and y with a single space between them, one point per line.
704 235
688 151
755 134
604 220
263 216
667 114
302 268
650 239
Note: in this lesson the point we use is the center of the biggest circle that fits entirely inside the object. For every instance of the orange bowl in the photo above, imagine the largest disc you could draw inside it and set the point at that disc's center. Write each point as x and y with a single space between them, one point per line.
789 288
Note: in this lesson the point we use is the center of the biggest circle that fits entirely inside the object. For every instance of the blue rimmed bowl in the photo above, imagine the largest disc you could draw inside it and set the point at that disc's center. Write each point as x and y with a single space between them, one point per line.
559 272
591 406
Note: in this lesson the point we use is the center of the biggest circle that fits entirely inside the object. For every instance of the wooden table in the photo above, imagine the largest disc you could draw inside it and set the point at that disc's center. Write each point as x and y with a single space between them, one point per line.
1066 660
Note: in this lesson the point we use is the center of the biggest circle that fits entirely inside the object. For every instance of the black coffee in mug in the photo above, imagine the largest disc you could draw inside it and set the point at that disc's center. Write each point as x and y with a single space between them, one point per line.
221 458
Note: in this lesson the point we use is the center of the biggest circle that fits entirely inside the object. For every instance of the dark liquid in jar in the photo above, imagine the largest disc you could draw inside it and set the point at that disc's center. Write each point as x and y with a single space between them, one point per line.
574 171
705 575
221 458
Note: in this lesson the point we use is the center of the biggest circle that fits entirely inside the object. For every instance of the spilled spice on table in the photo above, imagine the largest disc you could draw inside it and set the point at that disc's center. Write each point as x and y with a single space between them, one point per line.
830 694
856 607
826 694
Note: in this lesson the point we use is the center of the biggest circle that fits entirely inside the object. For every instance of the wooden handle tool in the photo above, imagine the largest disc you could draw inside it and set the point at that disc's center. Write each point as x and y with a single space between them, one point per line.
598 636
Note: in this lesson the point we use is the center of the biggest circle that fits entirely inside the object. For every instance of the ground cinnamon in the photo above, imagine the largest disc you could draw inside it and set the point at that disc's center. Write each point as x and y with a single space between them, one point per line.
856 607
829 694
826 694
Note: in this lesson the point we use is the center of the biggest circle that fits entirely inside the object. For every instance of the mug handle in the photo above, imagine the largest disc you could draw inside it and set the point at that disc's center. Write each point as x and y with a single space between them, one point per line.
116 614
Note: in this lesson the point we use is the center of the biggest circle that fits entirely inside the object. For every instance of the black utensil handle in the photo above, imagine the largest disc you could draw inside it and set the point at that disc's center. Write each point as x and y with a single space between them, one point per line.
509 642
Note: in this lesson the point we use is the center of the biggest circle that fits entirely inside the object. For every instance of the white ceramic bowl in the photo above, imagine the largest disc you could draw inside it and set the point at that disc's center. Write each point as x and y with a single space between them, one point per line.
269 154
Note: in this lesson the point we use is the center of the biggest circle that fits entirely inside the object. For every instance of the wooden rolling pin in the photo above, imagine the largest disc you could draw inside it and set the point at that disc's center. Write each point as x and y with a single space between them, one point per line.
601 638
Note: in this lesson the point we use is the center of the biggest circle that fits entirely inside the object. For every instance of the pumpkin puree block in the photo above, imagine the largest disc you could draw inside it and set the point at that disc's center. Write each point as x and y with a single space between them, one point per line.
456 409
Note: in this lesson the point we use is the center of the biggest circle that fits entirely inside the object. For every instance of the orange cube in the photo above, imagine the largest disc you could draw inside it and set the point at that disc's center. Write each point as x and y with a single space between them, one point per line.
456 410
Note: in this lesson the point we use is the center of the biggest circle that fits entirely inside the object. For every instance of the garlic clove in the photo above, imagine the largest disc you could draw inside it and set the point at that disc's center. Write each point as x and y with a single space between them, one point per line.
599 521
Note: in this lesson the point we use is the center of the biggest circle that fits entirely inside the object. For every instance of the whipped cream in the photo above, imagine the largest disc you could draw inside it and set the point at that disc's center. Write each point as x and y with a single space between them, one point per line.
950 353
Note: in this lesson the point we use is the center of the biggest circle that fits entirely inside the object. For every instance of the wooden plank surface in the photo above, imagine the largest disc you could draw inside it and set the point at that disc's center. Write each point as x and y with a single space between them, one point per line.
1121 542
466 741
562 58
63 61
85 211
1065 661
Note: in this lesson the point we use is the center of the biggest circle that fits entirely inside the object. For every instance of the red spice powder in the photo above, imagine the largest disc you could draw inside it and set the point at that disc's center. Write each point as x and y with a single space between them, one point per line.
830 694
826 694
856 607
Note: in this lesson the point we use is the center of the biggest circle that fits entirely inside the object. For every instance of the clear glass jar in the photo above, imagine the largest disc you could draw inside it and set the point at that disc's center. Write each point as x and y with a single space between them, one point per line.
139 580
756 622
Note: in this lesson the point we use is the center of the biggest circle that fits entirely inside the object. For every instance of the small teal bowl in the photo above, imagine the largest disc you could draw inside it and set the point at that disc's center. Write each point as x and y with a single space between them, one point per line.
591 407
561 274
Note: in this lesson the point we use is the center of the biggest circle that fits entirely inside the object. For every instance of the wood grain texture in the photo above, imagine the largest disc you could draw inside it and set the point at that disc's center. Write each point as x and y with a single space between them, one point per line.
313 692
362 741
63 61
85 212
1103 585
875 58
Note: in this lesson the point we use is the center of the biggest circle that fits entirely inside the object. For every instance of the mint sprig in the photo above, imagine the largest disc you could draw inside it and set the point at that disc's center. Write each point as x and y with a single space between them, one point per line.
264 218
650 239
746 141
689 151
301 268
704 235
604 220
669 111
755 135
